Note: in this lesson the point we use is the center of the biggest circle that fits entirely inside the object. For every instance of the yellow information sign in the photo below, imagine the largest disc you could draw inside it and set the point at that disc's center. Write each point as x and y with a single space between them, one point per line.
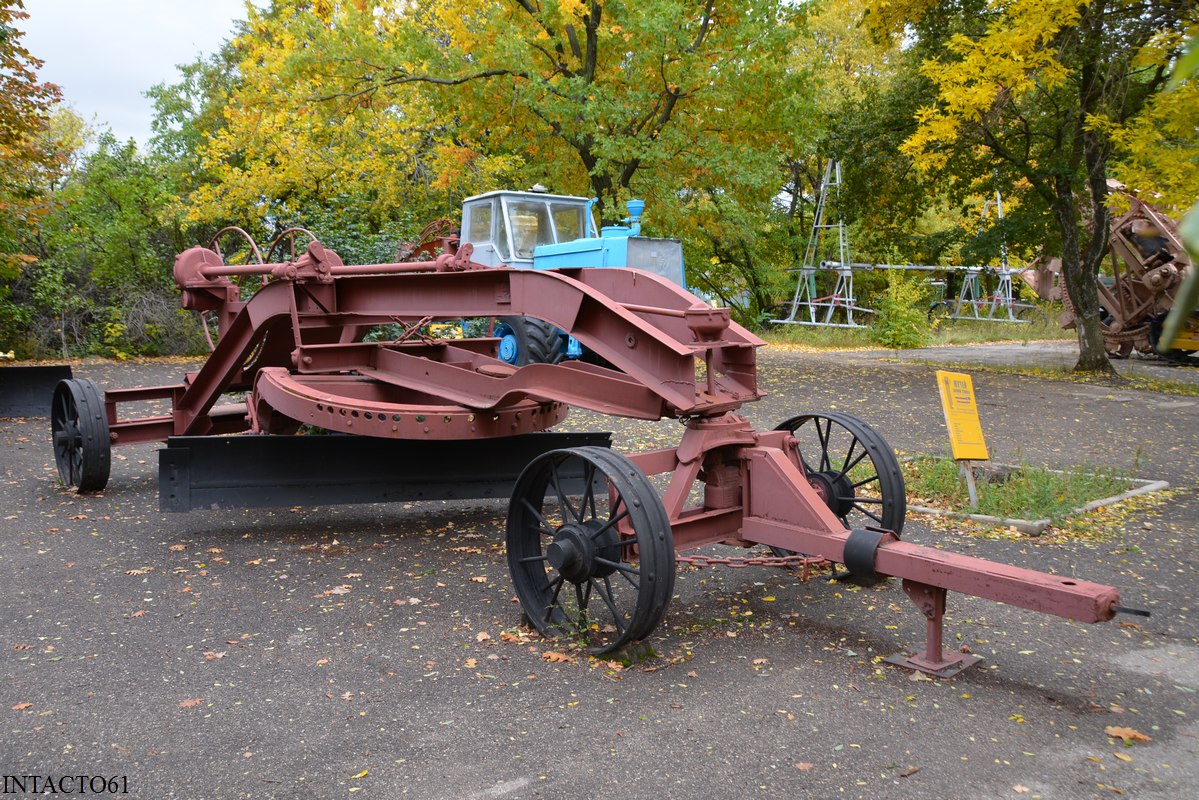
961 416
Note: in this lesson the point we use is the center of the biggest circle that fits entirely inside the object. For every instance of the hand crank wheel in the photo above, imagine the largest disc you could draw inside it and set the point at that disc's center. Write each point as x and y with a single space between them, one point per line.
79 427
853 468
589 548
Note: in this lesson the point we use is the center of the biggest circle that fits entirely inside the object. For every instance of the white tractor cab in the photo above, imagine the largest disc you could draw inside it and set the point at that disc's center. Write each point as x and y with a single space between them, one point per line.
537 230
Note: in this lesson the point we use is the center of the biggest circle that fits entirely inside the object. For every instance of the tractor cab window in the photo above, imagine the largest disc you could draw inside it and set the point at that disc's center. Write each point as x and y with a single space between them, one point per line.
569 220
530 227
478 222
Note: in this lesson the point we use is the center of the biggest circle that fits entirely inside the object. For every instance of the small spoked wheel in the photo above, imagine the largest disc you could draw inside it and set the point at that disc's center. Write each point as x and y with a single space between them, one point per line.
589 548
79 427
852 468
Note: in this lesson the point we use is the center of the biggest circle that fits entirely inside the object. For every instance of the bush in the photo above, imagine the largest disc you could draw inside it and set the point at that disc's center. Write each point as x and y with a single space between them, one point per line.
901 317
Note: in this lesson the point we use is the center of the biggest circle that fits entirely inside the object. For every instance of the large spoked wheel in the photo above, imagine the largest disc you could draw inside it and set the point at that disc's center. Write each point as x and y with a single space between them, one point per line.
82 449
528 341
590 548
852 468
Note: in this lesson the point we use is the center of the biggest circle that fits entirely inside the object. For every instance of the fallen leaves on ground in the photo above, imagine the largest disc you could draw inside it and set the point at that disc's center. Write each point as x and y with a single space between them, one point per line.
554 657
1127 734
191 703
22 706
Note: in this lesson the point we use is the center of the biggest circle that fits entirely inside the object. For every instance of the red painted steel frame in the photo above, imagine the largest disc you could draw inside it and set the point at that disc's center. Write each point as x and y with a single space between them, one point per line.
306 325
296 348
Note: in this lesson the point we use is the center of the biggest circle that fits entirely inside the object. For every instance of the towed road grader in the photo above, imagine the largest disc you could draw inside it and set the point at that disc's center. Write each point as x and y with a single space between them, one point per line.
592 541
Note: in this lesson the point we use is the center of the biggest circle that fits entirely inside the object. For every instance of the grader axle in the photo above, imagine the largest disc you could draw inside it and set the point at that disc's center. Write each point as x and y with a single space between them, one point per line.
591 542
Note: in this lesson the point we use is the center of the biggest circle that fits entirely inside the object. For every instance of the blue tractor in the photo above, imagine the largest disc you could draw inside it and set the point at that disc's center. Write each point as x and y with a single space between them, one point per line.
537 230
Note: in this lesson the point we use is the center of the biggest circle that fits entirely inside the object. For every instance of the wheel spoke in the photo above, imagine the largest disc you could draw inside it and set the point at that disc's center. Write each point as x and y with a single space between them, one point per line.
546 527
610 602
823 436
62 412
582 598
534 559
873 477
845 469
563 503
608 525
557 584
589 491
76 466
624 569
873 516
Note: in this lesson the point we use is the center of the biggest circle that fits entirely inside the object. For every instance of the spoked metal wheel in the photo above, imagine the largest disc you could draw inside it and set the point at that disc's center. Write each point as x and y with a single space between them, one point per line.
82 449
589 548
852 468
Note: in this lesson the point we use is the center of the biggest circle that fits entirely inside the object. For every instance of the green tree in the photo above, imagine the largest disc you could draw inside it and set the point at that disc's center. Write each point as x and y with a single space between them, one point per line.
379 117
1036 90
102 281
28 158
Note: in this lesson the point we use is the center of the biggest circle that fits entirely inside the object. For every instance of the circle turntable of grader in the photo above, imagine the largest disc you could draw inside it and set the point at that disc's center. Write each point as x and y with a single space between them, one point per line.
591 542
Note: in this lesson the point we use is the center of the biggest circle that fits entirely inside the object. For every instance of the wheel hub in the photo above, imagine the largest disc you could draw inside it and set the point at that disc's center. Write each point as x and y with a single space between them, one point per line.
577 546
68 439
834 489
508 349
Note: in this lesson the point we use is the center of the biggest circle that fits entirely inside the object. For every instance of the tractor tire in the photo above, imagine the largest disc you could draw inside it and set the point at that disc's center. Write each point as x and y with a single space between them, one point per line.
528 341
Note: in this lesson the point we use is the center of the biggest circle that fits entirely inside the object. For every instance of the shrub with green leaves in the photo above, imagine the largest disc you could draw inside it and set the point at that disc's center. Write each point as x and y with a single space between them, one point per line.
901 316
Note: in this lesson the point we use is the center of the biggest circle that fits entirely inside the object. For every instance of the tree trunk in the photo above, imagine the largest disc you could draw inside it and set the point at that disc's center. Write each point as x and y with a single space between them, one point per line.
1079 283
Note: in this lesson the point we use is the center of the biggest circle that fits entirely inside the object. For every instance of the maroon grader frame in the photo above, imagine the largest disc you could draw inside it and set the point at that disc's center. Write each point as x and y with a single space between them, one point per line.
591 541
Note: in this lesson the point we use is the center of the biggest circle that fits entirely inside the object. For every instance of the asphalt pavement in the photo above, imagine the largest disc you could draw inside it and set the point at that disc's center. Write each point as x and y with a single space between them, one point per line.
374 651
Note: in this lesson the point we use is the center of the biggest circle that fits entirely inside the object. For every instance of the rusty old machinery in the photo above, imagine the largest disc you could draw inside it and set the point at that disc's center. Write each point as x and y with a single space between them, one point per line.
591 540
1148 263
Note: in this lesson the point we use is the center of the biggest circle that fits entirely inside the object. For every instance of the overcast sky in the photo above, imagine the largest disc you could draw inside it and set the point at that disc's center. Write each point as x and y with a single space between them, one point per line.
106 53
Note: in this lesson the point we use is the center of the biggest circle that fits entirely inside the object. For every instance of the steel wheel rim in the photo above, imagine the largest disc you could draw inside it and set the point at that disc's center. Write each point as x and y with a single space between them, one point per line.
836 449
68 441
80 435
590 558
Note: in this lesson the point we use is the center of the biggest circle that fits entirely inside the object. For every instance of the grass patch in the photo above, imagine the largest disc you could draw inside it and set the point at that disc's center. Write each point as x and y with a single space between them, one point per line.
1024 492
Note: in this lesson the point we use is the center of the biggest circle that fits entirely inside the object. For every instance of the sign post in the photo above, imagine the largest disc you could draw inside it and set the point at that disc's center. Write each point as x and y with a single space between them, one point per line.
965 431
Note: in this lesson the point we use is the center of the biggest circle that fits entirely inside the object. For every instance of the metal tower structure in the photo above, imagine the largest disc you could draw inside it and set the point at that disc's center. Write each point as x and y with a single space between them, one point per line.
808 307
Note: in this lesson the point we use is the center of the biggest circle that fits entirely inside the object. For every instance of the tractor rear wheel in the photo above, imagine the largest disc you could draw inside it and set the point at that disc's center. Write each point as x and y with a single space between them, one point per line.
524 340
